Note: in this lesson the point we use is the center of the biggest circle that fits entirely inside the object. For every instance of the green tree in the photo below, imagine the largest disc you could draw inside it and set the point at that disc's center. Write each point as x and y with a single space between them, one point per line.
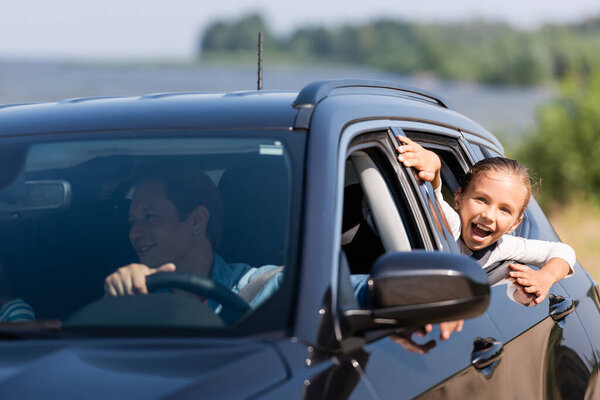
241 35
565 149
313 43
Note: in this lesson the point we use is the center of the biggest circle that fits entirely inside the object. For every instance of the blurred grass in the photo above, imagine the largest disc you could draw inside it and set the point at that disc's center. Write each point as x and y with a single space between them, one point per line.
578 224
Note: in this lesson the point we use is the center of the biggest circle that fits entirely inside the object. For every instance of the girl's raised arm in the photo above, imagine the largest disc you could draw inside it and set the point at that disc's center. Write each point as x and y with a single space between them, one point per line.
426 162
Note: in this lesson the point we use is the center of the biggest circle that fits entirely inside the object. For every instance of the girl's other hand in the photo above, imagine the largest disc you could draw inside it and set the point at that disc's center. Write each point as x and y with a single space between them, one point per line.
536 282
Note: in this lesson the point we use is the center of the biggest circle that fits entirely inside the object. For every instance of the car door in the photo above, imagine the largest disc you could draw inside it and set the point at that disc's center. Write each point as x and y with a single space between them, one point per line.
397 218
546 353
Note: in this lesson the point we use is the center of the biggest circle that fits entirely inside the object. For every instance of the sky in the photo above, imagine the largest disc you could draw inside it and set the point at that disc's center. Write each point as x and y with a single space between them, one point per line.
149 29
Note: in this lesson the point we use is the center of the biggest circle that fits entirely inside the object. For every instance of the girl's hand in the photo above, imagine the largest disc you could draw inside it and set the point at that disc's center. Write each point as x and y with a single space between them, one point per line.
446 328
426 162
404 337
536 282
521 296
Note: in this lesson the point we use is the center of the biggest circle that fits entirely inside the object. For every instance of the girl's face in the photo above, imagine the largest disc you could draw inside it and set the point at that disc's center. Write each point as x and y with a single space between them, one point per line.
489 208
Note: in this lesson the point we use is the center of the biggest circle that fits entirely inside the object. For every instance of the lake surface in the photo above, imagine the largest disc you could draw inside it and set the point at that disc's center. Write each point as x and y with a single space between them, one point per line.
507 111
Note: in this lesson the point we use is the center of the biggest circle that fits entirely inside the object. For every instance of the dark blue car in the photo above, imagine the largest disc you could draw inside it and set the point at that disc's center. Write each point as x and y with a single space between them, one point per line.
322 255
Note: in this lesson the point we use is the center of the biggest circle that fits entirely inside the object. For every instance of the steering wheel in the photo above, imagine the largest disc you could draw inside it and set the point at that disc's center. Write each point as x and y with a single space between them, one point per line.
233 305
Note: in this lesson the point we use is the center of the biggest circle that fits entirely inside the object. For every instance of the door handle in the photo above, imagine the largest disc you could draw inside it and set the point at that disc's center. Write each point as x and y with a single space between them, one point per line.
486 353
560 307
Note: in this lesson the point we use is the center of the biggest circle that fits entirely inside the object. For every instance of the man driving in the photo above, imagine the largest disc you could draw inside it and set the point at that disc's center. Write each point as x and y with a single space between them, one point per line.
175 223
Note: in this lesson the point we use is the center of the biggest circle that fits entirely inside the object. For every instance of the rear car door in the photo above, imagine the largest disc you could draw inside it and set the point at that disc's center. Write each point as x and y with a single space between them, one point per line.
540 343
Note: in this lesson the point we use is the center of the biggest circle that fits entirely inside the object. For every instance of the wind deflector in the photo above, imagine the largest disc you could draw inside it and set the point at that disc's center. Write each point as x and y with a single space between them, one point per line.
315 92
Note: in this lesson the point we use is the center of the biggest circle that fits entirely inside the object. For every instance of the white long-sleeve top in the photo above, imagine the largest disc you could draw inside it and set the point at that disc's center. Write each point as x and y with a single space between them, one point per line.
508 247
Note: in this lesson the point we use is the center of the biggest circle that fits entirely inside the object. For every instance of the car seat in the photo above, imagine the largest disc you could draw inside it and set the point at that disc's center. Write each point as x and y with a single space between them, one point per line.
255 198
360 241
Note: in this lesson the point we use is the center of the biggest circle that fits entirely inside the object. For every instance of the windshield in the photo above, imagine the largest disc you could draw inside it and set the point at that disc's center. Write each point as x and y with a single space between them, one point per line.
88 226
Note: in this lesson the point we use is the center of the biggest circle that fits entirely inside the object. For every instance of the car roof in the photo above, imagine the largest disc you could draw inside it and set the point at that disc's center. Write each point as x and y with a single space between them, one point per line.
253 109
288 110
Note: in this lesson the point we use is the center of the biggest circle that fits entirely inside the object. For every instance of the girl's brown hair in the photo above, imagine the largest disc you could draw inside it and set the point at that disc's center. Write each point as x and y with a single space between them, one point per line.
499 164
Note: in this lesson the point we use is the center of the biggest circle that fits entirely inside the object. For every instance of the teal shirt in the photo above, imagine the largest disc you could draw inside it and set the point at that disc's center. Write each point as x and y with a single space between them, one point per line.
16 310
237 275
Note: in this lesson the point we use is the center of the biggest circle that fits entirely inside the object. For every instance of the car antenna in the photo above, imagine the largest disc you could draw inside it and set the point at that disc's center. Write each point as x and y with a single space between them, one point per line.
260 52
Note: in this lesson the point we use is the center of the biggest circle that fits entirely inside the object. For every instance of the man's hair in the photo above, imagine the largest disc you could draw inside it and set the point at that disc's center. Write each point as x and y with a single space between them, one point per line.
188 187
503 165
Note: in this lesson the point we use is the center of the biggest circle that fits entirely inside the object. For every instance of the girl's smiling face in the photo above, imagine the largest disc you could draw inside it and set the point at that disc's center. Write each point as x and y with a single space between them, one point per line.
491 206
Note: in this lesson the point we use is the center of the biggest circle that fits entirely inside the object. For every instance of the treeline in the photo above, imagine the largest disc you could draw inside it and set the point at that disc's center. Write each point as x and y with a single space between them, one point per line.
476 50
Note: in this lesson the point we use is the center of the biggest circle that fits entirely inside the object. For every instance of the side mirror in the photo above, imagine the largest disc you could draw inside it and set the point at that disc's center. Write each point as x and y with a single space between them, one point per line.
422 287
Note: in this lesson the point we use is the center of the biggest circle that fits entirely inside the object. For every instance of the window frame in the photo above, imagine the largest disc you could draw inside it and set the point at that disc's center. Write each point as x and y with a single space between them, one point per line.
437 226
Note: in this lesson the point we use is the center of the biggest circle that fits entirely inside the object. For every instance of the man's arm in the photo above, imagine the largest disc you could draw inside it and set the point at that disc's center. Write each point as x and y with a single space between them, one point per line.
259 284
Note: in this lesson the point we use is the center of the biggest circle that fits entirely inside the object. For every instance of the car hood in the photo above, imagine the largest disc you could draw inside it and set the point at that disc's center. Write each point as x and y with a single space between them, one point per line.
137 369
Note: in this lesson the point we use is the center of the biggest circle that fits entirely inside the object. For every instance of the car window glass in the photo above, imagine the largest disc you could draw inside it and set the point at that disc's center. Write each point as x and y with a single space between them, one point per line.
438 223
78 210
442 228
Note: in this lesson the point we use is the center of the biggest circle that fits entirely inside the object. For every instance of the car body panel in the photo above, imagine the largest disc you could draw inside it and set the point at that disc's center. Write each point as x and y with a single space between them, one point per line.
140 368
448 363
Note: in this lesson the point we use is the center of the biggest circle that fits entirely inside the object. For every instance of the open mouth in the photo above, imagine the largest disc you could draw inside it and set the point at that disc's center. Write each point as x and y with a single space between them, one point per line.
480 231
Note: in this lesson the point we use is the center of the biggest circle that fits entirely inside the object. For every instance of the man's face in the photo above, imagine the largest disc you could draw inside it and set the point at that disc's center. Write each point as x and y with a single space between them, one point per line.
157 234
489 208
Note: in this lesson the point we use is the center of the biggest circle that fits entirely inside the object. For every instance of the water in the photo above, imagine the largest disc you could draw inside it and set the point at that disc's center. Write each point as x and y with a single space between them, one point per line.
508 111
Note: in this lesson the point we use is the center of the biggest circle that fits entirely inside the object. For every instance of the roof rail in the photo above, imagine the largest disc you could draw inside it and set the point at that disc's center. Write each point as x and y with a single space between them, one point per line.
173 94
90 98
314 92
17 104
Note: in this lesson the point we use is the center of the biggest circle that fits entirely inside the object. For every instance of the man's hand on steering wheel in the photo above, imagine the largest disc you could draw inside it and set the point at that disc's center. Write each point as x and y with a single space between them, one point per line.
131 279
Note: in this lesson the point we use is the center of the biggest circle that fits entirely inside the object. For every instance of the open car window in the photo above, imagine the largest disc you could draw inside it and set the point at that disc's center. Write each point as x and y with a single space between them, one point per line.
74 211
377 217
